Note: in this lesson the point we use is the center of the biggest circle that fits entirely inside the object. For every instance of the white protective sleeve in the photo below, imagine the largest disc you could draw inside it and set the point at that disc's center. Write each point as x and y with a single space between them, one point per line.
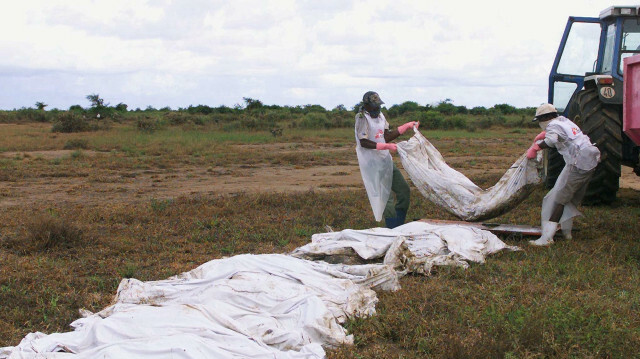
454 192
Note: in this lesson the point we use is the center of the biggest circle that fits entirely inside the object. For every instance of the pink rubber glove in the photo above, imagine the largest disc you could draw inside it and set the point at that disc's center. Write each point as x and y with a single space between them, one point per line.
402 129
386 146
533 151
540 136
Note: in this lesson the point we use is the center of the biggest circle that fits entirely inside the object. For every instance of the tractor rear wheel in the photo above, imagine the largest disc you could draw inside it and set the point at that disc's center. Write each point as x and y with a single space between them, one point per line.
555 164
603 124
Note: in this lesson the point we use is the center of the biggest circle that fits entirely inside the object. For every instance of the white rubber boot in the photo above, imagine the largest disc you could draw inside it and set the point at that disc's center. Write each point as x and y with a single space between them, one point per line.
566 227
548 231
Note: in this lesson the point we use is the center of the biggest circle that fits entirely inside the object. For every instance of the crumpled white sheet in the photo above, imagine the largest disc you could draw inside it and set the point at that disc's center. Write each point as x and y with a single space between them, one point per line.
246 306
413 247
260 306
454 192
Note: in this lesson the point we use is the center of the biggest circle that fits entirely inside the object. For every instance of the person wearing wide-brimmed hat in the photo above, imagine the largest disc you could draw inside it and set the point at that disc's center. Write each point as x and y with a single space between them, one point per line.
581 158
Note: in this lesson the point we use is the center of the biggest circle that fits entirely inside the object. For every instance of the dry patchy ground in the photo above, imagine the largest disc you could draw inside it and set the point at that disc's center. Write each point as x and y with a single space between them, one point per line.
132 185
576 299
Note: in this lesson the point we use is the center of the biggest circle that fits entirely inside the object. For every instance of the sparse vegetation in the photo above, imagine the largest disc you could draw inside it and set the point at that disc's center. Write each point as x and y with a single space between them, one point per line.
254 115
76 143
46 232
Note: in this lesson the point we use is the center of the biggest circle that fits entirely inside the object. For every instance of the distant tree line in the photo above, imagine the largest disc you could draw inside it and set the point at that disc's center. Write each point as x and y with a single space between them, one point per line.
254 115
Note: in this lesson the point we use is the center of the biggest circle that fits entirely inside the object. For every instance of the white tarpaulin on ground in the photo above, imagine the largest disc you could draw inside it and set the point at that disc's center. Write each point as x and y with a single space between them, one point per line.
413 247
260 306
454 192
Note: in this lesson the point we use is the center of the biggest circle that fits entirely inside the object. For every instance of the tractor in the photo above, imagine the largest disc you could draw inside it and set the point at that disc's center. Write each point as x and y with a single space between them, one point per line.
595 81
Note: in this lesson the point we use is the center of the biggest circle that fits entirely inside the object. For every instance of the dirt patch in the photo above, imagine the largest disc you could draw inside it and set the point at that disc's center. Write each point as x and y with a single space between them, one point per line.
128 186
47 155
175 182
628 179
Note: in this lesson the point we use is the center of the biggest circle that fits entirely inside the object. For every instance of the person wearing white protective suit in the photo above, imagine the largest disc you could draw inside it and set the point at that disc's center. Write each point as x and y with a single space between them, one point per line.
387 189
581 158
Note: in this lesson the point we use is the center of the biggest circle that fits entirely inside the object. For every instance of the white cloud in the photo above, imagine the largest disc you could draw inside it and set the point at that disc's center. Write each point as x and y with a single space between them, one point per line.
284 52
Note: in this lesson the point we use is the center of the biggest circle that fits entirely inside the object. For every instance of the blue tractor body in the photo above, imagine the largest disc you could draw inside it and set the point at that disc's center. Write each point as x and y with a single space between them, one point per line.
586 85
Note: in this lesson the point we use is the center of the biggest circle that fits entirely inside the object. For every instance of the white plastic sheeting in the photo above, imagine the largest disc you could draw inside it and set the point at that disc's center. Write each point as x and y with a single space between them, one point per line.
413 247
261 306
376 168
247 306
454 192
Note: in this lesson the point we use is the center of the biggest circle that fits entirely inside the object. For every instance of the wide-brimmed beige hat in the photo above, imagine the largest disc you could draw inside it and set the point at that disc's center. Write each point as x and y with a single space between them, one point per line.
544 109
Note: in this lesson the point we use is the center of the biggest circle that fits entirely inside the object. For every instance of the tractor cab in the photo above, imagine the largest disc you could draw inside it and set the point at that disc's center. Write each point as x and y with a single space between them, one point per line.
587 84
591 53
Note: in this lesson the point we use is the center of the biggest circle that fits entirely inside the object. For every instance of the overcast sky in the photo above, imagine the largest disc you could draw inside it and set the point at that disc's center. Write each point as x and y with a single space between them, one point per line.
282 52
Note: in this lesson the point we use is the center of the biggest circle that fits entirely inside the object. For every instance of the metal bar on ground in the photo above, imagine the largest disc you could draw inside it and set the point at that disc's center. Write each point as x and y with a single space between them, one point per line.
495 228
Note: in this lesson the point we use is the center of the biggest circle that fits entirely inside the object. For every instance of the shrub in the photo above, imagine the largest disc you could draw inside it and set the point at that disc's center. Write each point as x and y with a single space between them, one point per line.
484 123
275 116
341 120
70 122
31 115
178 118
6 116
199 120
430 119
147 124
46 232
478 110
224 117
256 122
315 120
455 122
76 143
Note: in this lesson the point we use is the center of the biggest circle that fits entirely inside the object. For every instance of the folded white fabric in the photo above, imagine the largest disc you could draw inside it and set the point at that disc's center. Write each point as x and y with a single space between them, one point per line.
454 192
415 247
247 306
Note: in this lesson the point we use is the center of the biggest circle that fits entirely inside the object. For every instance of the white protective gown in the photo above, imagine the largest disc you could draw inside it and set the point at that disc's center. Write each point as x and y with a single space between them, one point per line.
376 166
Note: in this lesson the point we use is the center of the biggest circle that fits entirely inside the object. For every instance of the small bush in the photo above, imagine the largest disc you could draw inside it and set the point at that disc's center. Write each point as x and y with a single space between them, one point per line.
484 123
147 125
257 122
341 120
45 232
315 120
70 122
430 119
178 118
199 120
76 143
7 116
224 117
31 115
48 232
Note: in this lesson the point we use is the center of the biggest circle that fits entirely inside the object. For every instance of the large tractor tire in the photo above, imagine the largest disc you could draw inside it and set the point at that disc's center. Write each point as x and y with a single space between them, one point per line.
555 164
603 124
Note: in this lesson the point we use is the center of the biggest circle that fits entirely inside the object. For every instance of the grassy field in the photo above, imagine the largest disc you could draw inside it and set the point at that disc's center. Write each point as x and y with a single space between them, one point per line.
575 299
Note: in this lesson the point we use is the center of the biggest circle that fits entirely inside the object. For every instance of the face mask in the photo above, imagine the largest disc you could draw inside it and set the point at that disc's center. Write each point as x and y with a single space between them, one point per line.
543 124
375 112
